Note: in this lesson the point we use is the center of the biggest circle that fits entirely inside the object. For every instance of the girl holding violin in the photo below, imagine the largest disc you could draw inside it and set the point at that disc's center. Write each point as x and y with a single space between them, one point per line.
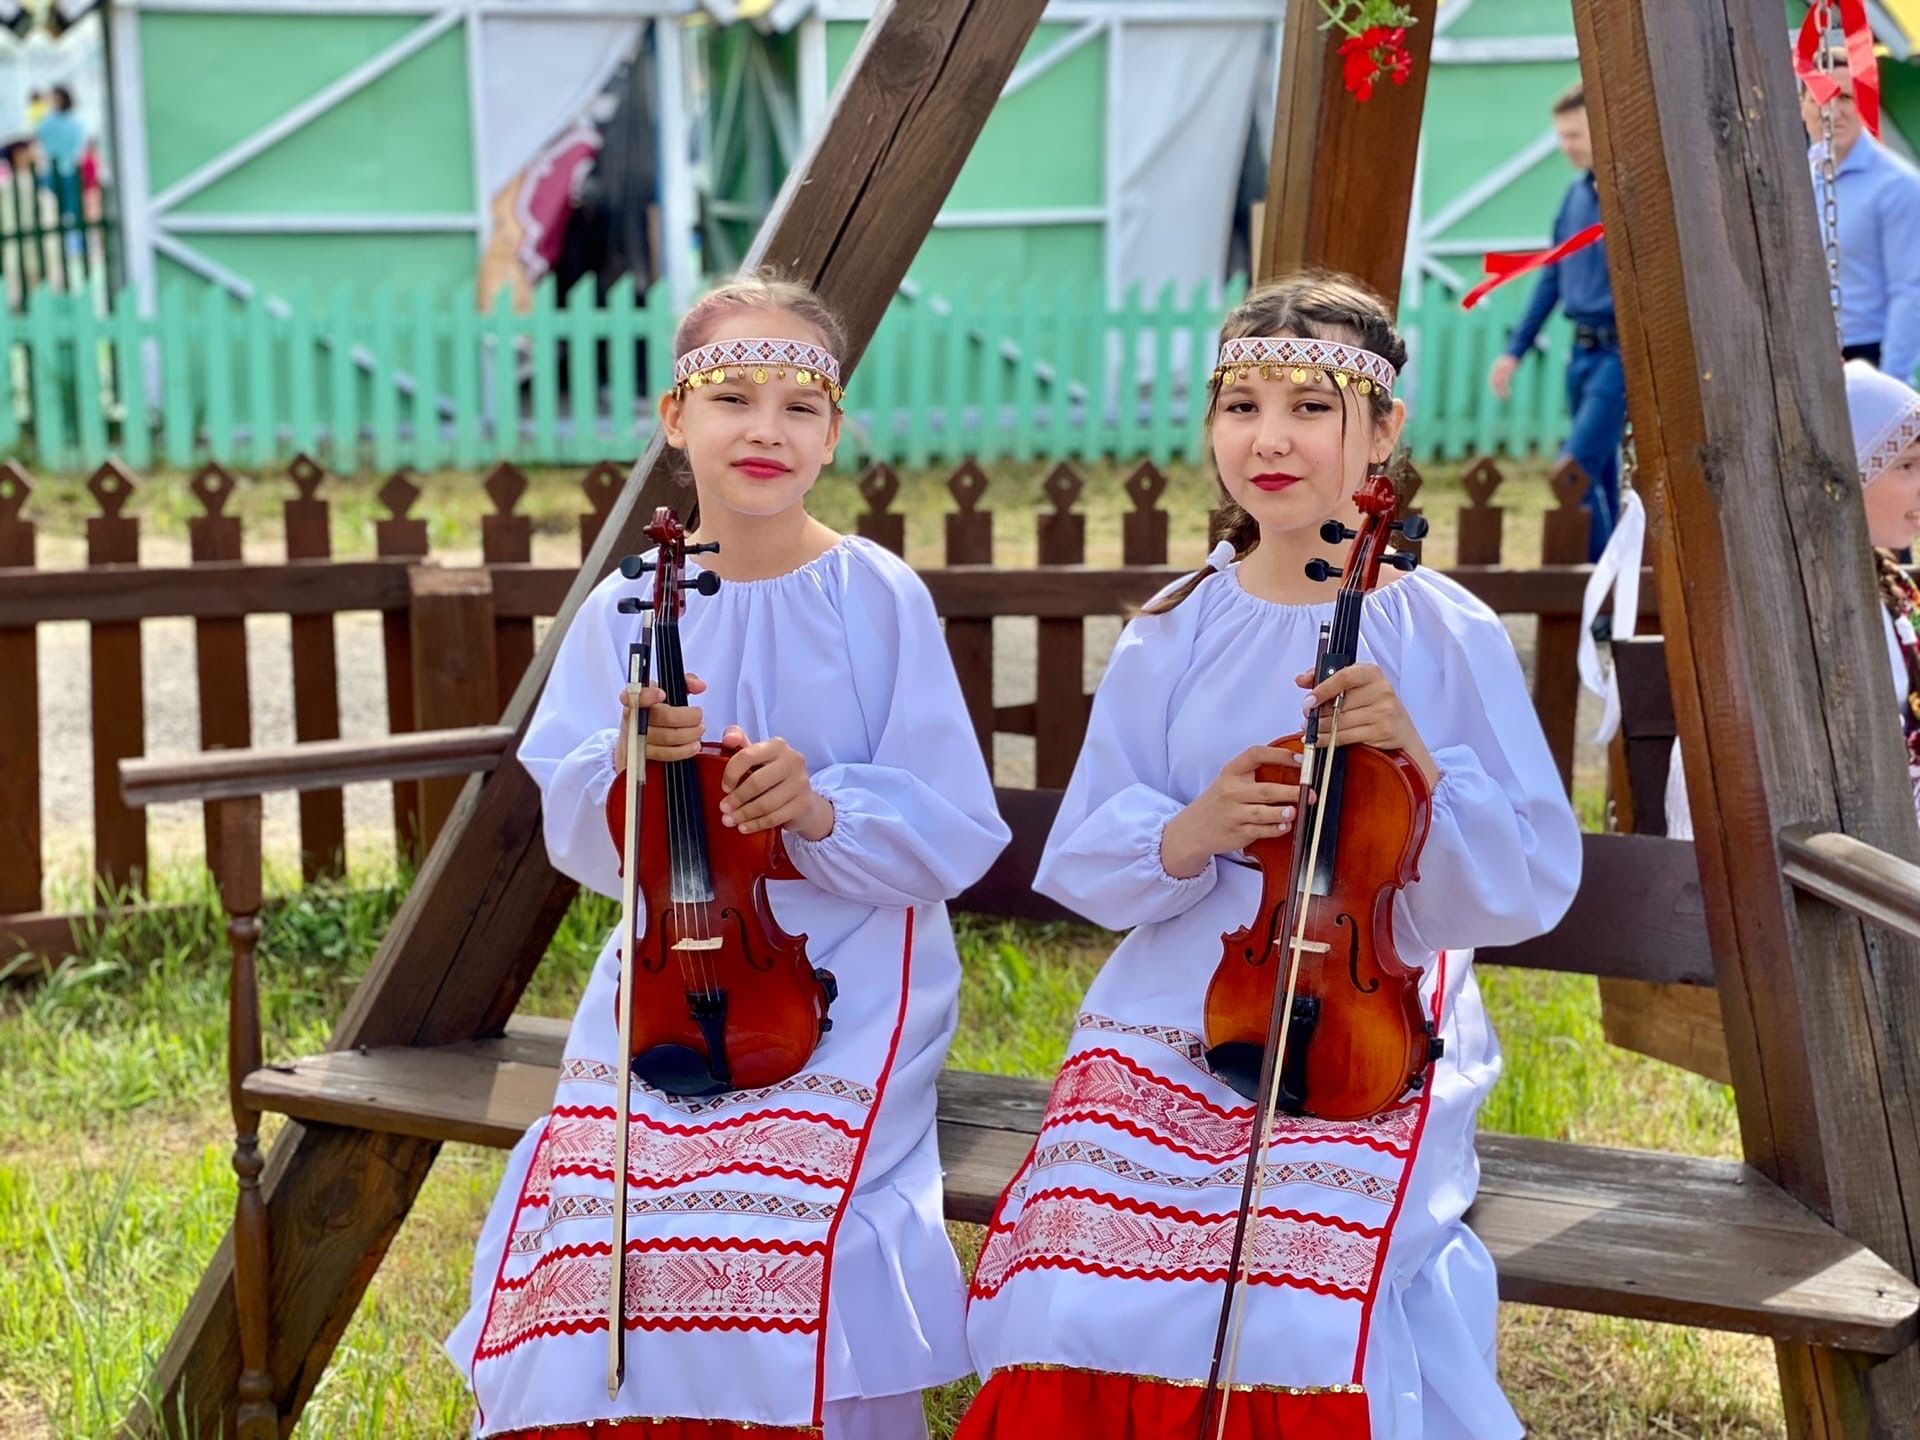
1289 987
808 802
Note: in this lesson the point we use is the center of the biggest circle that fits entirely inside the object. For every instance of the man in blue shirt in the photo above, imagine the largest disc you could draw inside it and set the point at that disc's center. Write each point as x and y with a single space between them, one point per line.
1878 197
1596 380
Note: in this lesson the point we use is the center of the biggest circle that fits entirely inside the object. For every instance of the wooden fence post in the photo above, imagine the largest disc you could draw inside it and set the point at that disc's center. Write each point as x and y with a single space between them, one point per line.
878 487
1556 653
1060 695
601 486
118 703
1143 529
20 871
1408 486
219 644
316 677
507 539
970 642
1478 527
451 619
400 538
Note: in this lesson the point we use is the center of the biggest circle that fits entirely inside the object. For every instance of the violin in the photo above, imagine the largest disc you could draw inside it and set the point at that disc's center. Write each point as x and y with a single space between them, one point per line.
717 997
1314 978
1311 1010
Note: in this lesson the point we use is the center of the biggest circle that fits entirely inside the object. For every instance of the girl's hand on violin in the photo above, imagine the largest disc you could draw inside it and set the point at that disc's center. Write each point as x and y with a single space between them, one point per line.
765 787
1230 814
1371 713
673 731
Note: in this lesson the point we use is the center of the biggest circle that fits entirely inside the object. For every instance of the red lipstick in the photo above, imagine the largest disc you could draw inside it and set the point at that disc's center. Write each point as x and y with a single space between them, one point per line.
759 468
1273 482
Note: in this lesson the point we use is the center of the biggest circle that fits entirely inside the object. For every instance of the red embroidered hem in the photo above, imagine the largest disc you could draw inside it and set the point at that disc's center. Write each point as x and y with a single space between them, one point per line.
1062 1404
661 1430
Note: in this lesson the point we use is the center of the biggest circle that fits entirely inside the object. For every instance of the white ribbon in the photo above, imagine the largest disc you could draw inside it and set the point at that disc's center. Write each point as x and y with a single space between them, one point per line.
1618 570
1221 556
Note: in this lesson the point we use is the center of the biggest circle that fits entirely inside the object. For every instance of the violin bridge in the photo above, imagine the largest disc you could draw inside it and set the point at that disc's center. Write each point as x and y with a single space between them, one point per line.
710 944
1308 947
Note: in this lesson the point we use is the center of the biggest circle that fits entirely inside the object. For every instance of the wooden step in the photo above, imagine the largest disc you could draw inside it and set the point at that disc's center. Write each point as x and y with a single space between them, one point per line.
1620 1232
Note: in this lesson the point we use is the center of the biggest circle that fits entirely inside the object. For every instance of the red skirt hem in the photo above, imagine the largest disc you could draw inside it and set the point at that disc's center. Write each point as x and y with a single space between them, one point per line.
1063 1404
661 1430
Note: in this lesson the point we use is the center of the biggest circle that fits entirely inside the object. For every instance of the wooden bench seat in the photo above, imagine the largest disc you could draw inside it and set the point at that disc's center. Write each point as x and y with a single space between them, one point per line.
1621 1232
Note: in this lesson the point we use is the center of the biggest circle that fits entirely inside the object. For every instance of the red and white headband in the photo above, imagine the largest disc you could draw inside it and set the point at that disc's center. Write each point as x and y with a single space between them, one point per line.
757 360
1288 356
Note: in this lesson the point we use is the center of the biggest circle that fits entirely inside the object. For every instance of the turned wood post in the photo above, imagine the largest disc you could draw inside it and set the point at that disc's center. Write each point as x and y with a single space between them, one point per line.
236 867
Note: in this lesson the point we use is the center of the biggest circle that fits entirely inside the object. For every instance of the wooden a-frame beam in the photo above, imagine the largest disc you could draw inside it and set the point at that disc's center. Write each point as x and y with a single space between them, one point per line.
1340 182
486 903
1772 621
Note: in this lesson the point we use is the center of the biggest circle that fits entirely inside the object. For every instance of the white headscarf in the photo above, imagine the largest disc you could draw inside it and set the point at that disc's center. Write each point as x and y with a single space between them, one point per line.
1885 414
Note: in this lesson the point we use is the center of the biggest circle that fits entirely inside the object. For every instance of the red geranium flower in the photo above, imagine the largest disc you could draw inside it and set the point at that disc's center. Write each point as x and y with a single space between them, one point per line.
1376 43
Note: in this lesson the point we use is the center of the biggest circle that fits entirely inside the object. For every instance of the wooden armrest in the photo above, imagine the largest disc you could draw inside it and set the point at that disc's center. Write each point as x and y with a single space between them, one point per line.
1860 878
314 765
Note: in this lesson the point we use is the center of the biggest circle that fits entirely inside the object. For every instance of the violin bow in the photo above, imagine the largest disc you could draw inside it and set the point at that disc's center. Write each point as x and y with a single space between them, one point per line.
1226 1343
634 722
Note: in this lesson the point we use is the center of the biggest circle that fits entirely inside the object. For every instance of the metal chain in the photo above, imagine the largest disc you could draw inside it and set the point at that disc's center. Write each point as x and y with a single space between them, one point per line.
1829 171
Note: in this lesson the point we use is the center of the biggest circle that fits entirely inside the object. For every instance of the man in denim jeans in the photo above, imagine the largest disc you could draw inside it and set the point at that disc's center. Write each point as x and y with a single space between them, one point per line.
1596 381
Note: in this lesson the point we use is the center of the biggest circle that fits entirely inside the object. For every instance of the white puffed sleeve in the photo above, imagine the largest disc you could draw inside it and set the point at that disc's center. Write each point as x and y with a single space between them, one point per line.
917 823
1502 860
568 747
1103 855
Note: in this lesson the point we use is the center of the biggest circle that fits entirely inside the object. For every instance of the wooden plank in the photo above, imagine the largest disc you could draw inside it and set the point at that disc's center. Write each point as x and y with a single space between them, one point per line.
1741 432
132 592
848 221
1556 651
507 538
1324 140
220 646
20 867
315 765
969 638
127 592
316 677
1061 652
1679 1024
117 691
398 537
1855 876
1653 1236
454 682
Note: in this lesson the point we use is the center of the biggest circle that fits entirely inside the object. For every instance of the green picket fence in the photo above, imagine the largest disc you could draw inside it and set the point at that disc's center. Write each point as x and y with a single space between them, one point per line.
430 380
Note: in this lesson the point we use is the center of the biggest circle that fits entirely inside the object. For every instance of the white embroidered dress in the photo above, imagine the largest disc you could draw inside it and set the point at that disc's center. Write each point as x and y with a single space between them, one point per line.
1109 1247
786 1247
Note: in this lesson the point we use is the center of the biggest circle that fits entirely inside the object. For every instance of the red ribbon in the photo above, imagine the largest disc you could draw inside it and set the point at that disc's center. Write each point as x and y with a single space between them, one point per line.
1502 268
1861 64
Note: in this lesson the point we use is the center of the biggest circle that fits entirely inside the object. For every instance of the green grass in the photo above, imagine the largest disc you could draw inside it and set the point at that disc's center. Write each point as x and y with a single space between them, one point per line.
116 1185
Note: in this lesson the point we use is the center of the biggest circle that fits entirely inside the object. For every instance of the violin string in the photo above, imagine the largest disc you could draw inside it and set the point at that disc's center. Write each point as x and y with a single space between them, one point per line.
666 606
1262 1135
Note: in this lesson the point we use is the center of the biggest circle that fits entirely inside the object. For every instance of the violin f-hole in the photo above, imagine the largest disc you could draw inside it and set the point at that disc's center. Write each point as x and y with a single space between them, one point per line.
1352 927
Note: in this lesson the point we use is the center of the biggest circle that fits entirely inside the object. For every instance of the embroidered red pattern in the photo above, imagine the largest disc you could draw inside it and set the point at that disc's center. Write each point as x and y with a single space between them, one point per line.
569 1208
671 1285
1105 1087
788 1145
1322 1173
1104 1234
579 1071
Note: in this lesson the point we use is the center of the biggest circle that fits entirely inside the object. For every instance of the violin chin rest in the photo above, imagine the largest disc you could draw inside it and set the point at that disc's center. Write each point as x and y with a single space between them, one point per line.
678 1070
1237 1064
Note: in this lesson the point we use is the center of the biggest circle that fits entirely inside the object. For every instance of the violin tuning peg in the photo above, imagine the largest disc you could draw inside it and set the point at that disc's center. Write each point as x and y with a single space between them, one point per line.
634 607
707 583
1334 533
1320 570
634 566
1414 527
1401 560
712 547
